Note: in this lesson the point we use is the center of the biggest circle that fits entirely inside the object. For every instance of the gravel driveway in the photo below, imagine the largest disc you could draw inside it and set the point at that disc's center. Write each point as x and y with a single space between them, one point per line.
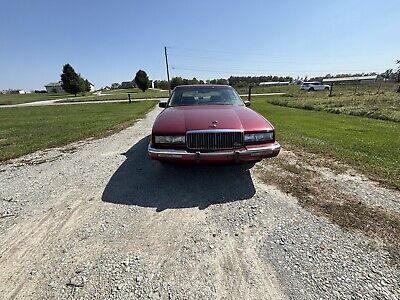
99 220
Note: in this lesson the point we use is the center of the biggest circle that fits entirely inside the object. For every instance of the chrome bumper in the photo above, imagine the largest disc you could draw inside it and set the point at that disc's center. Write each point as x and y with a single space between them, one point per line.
252 153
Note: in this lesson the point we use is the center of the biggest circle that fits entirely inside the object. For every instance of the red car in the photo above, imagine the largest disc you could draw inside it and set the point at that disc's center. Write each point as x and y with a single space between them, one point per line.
210 123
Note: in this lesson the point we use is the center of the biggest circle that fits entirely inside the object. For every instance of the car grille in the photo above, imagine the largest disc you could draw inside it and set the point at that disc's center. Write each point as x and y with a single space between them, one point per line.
214 140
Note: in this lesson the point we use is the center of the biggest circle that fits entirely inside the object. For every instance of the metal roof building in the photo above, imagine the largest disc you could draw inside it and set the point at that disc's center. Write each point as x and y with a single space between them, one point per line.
353 78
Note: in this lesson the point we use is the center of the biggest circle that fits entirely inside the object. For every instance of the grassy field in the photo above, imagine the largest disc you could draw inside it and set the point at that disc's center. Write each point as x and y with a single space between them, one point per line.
269 89
358 100
27 129
121 94
32 97
369 145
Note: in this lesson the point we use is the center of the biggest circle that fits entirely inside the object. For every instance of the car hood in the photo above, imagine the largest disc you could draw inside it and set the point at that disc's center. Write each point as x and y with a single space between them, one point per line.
178 120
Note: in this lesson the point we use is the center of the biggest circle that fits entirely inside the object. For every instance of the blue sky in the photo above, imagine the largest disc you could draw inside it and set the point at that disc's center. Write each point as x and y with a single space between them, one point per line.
108 41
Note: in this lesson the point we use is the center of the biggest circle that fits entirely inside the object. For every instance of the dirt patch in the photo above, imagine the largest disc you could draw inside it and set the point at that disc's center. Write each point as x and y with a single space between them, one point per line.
69 149
305 179
38 160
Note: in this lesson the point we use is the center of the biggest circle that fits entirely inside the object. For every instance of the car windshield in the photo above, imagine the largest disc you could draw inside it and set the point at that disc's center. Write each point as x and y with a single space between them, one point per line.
205 96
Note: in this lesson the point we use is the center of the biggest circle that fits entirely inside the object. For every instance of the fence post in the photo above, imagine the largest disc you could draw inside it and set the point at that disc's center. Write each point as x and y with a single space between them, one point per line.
249 97
330 90
379 86
129 98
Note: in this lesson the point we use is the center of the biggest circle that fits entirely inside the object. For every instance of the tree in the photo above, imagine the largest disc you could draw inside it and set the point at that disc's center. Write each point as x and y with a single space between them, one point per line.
398 75
115 86
388 74
72 82
161 84
87 85
176 81
398 70
142 80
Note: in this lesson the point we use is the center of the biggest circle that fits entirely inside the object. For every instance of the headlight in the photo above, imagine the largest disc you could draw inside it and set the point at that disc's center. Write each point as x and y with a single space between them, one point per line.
169 139
258 137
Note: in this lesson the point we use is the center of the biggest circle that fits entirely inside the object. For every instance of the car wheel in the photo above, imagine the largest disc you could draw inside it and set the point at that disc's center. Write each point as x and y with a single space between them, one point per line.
311 89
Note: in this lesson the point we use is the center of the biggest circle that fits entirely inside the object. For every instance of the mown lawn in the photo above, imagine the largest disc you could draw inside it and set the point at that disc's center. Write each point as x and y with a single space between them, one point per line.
31 97
369 145
121 94
27 129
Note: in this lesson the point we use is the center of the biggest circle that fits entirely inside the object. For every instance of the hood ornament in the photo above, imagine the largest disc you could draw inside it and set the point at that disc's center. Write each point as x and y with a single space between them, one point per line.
214 124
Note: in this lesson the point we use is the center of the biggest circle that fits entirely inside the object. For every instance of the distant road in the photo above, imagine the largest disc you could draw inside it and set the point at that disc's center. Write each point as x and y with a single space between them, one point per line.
59 101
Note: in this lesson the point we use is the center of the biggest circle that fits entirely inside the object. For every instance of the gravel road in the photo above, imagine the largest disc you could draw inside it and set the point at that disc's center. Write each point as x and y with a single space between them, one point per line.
99 220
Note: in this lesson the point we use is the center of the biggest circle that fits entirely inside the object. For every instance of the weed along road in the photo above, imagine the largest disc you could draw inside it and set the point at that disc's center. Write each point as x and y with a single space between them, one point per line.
98 219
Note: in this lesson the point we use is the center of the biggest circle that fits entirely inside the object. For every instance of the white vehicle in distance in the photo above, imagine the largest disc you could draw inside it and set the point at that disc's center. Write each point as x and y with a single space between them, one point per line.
314 86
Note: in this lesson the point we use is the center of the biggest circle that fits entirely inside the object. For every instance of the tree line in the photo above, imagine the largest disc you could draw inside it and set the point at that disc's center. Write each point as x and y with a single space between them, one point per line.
393 75
237 81
240 81
74 83
175 81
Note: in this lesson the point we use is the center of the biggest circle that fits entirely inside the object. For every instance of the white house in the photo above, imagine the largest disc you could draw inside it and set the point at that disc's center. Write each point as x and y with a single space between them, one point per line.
21 92
54 87
92 88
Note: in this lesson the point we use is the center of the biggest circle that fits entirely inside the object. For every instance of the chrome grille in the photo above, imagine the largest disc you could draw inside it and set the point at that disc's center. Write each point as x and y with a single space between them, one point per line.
214 140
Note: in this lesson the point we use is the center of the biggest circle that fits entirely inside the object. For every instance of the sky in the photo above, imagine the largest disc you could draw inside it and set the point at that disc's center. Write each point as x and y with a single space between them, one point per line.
108 41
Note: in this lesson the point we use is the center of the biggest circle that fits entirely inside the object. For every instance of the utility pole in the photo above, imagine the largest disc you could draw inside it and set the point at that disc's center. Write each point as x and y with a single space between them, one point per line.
166 63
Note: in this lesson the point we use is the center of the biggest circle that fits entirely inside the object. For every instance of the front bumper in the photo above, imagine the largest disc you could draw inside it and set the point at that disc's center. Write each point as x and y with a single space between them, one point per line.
247 154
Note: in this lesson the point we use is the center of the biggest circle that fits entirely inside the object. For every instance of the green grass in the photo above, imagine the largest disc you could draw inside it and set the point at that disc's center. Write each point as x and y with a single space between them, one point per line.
27 129
121 94
269 89
358 100
32 97
369 145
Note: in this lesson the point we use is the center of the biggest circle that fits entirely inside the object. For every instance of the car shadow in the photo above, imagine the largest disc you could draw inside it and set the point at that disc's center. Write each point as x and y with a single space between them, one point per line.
147 183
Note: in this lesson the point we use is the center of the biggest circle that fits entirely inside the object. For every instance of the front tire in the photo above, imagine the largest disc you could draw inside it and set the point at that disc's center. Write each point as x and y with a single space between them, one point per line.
311 89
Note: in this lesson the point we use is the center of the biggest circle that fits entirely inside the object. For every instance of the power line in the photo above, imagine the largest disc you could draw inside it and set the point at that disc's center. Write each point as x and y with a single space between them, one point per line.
257 53
270 62
275 63
199 69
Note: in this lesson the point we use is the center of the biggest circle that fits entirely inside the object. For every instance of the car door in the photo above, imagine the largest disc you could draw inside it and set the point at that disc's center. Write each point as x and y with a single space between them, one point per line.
318 87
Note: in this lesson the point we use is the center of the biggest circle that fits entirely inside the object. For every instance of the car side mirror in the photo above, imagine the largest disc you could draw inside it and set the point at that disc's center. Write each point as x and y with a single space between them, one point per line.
162 104
247 103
